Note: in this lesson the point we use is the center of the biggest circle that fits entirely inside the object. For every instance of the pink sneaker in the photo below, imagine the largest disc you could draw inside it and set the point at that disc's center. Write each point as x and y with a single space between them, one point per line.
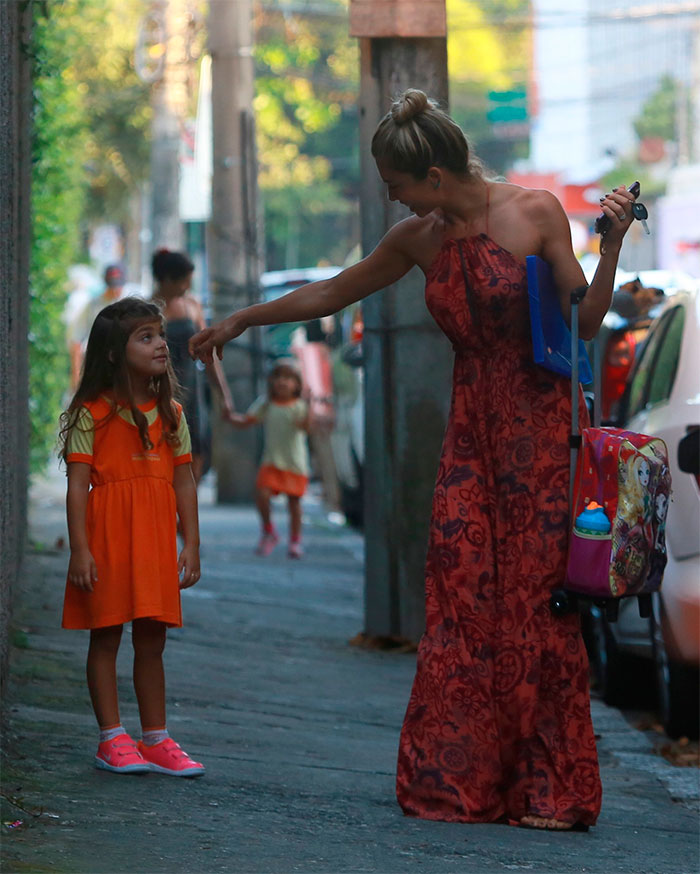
121 756
167 757
295 549
268 541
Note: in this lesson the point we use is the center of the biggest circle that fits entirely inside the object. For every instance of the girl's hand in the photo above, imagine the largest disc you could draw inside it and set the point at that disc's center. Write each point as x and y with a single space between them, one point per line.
82 570
239 420
617 206
202 345
188 566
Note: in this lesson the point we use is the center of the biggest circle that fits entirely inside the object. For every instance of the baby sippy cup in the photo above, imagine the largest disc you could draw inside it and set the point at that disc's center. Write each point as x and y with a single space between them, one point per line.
593 520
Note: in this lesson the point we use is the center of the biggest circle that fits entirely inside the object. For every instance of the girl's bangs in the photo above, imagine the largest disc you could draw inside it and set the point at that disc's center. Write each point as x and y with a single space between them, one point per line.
133 322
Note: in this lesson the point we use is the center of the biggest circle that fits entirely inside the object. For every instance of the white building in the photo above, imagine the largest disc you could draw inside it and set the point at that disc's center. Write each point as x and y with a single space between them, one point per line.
595 64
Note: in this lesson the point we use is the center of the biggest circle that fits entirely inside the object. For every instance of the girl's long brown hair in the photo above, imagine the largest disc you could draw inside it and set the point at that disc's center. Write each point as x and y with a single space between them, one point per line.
105 371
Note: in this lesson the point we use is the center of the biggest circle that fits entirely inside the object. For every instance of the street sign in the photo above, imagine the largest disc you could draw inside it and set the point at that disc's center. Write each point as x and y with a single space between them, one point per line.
507 107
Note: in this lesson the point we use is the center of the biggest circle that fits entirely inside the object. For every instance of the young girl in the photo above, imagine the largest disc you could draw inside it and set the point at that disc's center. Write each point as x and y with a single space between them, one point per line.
127 449
285 463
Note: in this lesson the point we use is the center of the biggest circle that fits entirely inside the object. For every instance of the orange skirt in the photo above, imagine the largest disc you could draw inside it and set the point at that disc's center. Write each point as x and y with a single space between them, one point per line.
283 482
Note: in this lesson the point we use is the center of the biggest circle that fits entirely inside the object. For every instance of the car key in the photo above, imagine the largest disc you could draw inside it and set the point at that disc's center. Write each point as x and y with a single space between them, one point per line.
602 223
641 213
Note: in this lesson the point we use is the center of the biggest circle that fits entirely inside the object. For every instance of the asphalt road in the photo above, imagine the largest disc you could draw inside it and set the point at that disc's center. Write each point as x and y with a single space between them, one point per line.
298 731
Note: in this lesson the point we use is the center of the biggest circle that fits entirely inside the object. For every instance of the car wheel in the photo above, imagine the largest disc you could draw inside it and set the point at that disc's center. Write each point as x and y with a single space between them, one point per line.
676 684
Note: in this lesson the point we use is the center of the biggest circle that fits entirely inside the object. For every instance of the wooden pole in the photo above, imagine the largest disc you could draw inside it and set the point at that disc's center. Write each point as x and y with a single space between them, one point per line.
408 362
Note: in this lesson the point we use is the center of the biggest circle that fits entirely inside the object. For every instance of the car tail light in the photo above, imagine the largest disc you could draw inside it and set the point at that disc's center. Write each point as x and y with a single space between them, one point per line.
358 326
619 357
621 351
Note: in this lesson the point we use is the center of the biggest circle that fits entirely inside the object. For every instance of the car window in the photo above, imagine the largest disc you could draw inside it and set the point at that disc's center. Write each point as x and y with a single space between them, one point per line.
666 362
658 363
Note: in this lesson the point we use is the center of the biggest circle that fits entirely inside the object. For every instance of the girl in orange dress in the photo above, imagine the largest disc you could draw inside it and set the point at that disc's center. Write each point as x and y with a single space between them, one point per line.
285 462
127 450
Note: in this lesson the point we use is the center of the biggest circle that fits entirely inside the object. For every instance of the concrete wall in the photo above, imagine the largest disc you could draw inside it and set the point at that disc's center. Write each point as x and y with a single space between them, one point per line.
15 153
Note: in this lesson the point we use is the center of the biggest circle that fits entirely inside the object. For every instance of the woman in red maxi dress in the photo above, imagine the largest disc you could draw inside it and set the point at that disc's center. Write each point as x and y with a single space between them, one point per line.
498 726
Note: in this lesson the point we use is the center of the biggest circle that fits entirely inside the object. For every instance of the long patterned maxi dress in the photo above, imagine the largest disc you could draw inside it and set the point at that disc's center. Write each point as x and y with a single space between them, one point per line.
498 724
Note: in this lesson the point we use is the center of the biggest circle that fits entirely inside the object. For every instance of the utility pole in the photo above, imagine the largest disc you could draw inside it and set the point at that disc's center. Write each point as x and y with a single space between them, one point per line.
170 19
233 234
408 362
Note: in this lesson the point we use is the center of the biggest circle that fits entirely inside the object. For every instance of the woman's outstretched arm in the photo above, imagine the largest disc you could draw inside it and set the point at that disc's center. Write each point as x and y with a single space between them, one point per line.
385 265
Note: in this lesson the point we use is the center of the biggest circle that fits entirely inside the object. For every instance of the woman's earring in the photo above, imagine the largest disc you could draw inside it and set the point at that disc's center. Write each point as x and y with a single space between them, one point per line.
436 185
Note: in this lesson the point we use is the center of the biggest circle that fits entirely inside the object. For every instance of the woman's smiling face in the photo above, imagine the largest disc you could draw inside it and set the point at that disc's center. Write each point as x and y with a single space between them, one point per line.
419 195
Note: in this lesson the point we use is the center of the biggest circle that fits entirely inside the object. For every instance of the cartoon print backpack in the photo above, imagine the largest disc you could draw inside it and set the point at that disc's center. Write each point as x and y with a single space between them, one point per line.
620 489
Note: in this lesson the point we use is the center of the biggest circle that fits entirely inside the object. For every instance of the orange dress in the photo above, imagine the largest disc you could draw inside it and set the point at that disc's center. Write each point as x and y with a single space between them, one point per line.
131 524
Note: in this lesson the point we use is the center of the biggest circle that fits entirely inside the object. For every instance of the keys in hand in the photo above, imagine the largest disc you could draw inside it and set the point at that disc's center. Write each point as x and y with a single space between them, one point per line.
641 213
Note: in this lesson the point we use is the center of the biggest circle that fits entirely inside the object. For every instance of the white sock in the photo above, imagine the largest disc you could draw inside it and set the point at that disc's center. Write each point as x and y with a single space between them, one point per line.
111 733
150 738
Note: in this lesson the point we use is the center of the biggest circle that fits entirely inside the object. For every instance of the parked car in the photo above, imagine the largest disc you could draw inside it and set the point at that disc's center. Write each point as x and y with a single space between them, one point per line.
662 398
637 300
276 283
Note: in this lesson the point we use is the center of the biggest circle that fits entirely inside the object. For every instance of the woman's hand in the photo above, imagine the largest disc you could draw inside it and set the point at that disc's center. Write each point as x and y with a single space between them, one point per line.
617 206
188 566
82 570
239 420
202 345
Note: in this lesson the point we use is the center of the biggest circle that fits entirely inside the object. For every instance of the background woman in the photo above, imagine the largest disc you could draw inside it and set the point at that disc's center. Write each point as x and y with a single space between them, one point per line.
183 318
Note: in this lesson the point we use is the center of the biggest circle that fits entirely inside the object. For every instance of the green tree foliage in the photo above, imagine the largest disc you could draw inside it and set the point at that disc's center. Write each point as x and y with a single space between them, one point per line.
658 115
305 108
488 46
58 194
657 118
90 119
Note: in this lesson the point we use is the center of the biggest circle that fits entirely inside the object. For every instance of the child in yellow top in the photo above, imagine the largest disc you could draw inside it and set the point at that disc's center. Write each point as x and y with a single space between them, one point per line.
284 467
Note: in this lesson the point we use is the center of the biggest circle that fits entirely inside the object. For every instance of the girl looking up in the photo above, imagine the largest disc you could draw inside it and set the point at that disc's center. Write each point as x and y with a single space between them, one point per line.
183 314
127 449
284 467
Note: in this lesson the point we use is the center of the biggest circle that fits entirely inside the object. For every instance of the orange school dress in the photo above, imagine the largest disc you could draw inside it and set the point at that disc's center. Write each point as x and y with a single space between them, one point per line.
131 522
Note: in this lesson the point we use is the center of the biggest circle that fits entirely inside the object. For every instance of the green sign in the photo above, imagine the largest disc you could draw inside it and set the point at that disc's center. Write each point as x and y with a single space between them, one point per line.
507 106
519 95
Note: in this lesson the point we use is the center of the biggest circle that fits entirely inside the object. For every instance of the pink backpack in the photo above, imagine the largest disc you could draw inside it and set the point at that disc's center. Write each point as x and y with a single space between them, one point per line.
622 488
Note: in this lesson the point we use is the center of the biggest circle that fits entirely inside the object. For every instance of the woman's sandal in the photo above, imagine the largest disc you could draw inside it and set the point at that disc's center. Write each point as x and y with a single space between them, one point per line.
543 822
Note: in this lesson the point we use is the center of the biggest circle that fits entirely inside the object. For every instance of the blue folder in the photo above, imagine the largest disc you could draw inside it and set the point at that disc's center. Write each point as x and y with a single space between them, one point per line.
551 337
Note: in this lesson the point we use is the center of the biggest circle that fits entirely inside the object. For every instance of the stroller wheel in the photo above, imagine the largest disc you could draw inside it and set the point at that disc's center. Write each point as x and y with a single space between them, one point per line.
562 602
612 609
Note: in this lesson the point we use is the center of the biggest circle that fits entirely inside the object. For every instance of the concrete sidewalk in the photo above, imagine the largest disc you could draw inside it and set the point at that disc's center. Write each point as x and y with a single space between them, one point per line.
298 731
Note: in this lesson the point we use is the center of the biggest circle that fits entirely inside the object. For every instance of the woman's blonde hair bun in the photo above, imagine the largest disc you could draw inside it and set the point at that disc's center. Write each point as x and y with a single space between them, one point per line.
416 134
410 104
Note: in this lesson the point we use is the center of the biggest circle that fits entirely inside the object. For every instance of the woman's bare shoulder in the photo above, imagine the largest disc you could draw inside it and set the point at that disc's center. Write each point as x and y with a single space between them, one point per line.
419 238
537 204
